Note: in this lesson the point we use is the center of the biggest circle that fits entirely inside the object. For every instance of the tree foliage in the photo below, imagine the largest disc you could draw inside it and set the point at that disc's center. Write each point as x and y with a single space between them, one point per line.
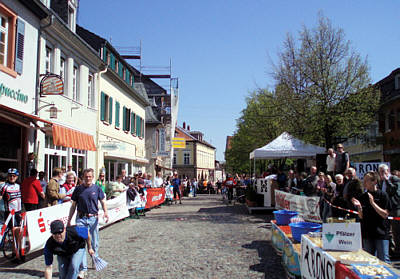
323 86
258 124
322 91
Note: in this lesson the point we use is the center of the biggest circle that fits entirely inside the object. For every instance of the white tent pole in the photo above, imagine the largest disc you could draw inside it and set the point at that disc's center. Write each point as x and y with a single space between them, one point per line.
255 173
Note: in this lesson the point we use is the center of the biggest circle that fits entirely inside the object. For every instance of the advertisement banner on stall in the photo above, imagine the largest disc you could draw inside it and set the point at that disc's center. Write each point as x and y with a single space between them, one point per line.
315 263
307 207
341 236
39 220
363 168
155 196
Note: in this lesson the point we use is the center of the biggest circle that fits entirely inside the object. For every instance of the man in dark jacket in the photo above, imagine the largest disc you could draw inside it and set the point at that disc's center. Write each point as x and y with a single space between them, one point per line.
390 184
69 246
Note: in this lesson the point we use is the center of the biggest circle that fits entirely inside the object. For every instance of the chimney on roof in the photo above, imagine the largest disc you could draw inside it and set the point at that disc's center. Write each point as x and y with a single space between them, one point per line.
184 125
188 127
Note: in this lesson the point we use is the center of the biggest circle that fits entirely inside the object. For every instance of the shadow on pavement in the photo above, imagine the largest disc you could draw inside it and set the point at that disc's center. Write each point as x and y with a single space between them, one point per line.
31 272
270 262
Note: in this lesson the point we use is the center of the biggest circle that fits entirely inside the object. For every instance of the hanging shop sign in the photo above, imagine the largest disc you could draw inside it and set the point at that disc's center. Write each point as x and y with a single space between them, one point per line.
51 84
178 143
13 94
162 140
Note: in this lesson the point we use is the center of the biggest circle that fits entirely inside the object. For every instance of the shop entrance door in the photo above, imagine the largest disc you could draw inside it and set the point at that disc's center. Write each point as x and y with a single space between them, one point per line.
10 147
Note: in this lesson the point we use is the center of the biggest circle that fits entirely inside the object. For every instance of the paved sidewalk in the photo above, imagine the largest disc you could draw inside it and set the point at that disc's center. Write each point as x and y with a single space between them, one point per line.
202 238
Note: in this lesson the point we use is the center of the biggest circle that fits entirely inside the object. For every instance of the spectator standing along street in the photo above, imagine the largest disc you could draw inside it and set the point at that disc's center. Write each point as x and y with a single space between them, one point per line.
70 170
69 246
330 162
342 160
390 184
158 181
53 188
373 208
85 200
43 183
125 179
176 182
31 190
101 181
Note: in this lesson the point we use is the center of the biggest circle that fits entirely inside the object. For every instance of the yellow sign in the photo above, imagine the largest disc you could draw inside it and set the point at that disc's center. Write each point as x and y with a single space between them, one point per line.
178 143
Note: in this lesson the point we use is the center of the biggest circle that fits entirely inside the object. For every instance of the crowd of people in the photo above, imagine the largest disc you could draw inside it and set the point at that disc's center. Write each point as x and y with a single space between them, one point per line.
85 194
343 195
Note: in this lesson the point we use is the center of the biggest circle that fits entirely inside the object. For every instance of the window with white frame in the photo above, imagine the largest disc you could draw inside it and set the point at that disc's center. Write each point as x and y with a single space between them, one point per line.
3 39
91 97
75 89
174 161
186 158
48 59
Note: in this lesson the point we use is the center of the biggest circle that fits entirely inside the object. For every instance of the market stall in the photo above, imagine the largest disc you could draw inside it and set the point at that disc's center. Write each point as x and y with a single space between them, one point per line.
333 253
284 146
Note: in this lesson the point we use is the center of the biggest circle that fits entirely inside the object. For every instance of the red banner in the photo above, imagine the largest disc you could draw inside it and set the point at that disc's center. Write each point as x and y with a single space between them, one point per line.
155 196
342 272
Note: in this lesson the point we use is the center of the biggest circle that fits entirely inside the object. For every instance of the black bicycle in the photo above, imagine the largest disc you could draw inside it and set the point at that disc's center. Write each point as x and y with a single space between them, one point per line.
7 244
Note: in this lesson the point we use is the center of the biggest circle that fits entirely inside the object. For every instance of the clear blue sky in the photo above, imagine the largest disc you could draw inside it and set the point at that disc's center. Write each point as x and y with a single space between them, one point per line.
221 50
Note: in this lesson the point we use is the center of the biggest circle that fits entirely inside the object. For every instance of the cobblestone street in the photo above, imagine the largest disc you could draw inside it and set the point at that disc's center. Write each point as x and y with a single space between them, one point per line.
202 238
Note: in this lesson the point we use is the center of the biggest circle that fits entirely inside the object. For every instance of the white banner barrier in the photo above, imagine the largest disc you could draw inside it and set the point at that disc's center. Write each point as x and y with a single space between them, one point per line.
307 207
39 220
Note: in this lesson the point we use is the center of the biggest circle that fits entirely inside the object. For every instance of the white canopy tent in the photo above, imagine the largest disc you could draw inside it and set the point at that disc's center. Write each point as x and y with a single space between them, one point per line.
286 146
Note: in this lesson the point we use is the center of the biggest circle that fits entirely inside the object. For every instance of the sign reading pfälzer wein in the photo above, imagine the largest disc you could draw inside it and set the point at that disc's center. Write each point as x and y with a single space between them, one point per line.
341 236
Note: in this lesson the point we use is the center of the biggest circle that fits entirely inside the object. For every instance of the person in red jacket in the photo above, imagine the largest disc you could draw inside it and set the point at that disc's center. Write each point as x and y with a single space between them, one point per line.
31 190
230 183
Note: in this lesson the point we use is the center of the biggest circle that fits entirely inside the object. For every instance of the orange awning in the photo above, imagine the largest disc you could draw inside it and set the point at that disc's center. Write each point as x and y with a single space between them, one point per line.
66 137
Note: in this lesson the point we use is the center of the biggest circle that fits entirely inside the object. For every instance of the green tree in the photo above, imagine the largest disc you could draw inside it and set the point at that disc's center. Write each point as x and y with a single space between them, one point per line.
258 124
323 86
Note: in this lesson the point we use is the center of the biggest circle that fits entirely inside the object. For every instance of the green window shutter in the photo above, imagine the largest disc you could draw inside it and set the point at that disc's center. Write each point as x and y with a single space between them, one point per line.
112 61
127 76
110 107
120 70
124 119
137 125
142 128
116 114
105 54
132 123
102 106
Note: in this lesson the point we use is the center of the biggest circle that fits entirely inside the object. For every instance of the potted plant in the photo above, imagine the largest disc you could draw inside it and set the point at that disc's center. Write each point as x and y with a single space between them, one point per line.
251 196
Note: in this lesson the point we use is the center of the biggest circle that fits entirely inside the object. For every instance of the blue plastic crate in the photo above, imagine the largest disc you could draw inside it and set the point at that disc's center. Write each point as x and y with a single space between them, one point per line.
282 217
303 228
